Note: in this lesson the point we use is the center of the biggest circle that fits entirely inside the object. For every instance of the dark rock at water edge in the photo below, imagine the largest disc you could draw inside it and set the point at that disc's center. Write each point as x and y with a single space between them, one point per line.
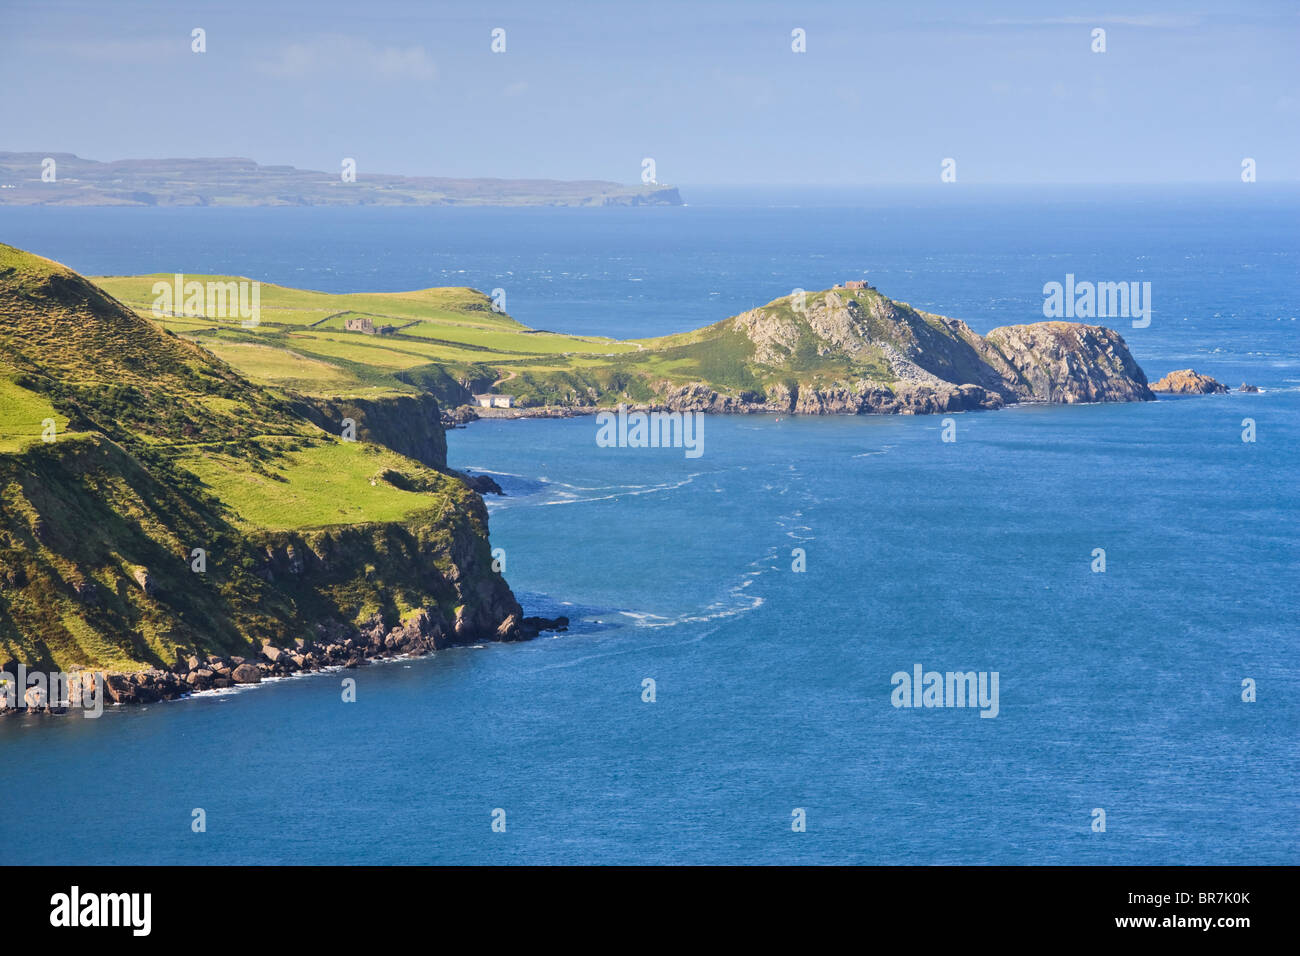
483 484
422 632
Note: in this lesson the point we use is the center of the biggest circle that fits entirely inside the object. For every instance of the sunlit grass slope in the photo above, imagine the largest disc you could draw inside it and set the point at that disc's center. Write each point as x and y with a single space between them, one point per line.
160 447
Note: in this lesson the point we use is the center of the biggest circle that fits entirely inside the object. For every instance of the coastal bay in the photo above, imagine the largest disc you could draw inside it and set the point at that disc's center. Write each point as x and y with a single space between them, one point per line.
773 686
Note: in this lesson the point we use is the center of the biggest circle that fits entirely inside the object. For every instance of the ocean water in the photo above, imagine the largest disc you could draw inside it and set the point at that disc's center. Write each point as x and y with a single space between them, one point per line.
1119 690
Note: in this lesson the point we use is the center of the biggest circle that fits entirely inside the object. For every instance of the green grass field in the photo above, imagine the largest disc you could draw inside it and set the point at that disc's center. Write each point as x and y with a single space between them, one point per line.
285 367
23 414
301 343
326 483
450 342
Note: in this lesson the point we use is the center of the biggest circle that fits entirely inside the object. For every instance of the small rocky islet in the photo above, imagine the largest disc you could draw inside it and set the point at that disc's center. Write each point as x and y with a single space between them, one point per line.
1186 381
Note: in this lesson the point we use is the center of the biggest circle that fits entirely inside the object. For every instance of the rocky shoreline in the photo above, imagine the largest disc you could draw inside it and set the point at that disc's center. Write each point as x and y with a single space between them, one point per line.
912 397
957 370
422 634
863 399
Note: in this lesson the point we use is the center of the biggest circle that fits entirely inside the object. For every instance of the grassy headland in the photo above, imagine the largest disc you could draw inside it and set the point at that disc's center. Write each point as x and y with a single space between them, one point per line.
124 447
831 350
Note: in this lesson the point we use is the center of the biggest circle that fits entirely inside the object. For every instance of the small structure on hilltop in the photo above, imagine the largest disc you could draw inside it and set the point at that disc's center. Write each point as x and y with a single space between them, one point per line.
853 284
489 400
366 326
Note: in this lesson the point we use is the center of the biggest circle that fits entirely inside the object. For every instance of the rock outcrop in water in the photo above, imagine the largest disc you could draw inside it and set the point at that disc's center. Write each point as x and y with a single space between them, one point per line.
1186 381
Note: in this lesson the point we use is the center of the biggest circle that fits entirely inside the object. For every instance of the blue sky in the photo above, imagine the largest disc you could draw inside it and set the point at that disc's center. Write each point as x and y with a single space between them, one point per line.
712 91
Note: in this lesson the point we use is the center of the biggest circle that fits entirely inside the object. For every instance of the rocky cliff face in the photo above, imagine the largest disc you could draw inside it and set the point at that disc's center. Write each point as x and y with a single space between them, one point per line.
408 424
1067 363
863 397
127 592
127 603
437 564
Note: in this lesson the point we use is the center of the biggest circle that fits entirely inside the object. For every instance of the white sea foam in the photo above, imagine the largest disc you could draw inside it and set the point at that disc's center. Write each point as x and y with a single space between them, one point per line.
626 491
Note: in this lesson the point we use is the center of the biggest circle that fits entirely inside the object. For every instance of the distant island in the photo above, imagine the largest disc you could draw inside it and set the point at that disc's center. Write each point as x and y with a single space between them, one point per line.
243 182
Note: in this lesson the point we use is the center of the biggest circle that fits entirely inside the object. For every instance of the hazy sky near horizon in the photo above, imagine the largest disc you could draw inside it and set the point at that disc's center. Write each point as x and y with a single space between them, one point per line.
712 91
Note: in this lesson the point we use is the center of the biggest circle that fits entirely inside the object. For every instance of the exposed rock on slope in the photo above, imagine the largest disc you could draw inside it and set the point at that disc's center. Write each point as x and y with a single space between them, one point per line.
861 398
1066 362
856 351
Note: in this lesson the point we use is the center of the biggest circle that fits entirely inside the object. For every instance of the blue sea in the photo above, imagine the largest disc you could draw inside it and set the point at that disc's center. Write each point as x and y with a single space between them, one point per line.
1119 691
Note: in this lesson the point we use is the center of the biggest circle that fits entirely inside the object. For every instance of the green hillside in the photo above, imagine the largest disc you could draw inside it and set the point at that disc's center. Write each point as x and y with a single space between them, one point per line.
445 340
449 341
124 447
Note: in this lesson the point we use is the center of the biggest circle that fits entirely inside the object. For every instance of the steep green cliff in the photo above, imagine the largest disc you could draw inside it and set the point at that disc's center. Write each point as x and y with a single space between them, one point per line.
156 506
